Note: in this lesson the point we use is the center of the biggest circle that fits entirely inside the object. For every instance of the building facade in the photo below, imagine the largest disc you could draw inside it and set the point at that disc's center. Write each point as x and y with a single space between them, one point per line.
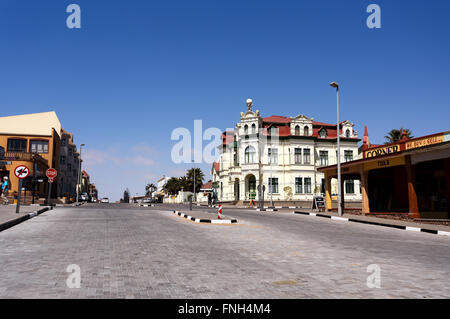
410 176
32 140
68 164
282 154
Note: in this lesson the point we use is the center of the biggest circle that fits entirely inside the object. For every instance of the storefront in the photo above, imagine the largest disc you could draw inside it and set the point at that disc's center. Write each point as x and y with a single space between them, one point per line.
411 176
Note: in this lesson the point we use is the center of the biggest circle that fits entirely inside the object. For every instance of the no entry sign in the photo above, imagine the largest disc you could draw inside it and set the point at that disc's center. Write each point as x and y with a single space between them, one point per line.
51 174
22 172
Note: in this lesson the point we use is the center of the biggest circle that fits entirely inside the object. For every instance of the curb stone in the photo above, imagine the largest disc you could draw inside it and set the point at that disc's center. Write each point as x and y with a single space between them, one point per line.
202 220
408 228
23 218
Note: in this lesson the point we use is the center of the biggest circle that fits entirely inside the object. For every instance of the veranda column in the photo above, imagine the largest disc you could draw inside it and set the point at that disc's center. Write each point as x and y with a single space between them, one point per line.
364 190
412 195
328 191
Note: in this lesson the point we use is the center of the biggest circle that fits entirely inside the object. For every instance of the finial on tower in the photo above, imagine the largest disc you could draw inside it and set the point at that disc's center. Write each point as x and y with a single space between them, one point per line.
249 104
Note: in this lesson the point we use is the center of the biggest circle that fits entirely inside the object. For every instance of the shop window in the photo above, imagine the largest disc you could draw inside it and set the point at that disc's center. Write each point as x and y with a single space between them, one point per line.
39 146
17 145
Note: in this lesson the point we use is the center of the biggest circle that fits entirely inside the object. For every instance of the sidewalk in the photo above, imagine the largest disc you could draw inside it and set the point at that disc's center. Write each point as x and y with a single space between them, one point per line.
8 212
201 216
413 226
9 217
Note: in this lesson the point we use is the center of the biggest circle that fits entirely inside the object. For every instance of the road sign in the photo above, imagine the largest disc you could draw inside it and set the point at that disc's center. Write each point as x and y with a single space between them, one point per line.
51 174
22 172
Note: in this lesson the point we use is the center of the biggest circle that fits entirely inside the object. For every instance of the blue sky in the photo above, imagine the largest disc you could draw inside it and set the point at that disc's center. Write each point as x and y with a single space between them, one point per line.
138 69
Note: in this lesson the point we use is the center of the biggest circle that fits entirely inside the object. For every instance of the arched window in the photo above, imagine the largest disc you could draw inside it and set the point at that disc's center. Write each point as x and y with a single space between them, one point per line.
246 129
306 131
297 130
253 128
250 155
347 133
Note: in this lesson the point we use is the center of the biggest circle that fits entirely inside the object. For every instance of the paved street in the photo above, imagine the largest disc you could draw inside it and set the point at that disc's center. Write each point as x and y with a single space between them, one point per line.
131 252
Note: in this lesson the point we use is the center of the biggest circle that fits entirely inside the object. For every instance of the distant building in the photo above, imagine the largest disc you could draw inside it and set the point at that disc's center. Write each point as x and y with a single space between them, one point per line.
288 169
68 164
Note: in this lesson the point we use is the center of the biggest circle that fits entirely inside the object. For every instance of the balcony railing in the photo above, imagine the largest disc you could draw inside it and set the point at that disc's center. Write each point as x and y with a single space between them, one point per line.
25 156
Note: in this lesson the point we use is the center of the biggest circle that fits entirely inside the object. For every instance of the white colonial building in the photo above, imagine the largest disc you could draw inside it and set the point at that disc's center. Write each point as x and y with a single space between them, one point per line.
283 154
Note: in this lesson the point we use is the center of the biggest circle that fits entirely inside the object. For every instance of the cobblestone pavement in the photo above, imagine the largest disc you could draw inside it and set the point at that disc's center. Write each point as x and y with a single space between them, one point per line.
130 252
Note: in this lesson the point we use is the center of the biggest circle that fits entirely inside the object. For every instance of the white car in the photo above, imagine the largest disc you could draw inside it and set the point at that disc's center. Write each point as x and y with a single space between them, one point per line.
105 200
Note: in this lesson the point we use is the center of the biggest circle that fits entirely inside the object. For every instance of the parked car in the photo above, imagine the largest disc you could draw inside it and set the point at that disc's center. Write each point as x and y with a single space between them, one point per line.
147 201
105 200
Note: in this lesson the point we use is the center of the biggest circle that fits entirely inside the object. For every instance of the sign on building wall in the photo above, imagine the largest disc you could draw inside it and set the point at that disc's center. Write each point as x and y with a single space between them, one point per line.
382 151
425 142
384 163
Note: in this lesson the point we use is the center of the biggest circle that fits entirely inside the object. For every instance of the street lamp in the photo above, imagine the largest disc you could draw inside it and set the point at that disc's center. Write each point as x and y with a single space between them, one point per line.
336 85
79 174
194 197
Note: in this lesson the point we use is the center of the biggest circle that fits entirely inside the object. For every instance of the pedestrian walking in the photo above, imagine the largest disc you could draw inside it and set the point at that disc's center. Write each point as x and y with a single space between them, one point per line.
5 189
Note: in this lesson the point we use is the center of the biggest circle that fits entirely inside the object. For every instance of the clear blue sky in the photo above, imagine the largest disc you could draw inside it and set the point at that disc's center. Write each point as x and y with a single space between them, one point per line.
138 69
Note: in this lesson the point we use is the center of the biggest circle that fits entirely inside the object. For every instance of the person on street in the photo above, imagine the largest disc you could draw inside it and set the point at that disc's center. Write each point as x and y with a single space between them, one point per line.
5 189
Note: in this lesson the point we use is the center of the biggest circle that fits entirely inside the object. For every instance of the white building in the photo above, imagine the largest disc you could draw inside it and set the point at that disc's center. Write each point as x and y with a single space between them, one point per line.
284 153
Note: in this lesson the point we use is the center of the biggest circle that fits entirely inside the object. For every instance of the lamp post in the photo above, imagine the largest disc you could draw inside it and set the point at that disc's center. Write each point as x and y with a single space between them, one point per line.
195 197
79 174
336 85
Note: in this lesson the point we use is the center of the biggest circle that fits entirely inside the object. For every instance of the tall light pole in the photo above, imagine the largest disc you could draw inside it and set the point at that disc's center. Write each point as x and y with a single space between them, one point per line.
195 197
336 85
79 173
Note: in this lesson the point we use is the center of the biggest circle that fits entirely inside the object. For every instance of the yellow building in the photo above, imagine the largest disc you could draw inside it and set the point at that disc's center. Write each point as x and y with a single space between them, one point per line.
32 140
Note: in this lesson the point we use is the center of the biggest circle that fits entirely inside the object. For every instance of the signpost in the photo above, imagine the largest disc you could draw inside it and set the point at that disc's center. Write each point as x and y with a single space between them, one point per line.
21 172
318 203
51 174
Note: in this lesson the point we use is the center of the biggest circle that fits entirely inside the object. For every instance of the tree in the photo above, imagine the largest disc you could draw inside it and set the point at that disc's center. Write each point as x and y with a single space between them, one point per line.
172 186
395 135
199 176
150 189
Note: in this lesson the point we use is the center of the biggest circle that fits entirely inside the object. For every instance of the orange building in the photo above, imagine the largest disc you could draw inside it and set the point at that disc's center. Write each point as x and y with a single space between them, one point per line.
411 176
32 140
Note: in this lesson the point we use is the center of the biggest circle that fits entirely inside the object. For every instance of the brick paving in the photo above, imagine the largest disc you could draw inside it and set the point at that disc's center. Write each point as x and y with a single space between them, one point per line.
129 252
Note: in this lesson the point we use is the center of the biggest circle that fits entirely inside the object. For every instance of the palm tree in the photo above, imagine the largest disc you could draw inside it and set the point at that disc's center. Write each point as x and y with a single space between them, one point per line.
395 135
199 177
149 189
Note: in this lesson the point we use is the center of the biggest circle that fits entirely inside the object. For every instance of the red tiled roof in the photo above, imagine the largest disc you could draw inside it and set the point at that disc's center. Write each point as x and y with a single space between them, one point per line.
277 119
207 185
216 166
84 173
227 137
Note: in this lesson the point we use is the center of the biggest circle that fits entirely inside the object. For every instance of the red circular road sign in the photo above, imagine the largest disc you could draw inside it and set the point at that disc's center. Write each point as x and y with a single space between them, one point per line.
51 174
21 171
